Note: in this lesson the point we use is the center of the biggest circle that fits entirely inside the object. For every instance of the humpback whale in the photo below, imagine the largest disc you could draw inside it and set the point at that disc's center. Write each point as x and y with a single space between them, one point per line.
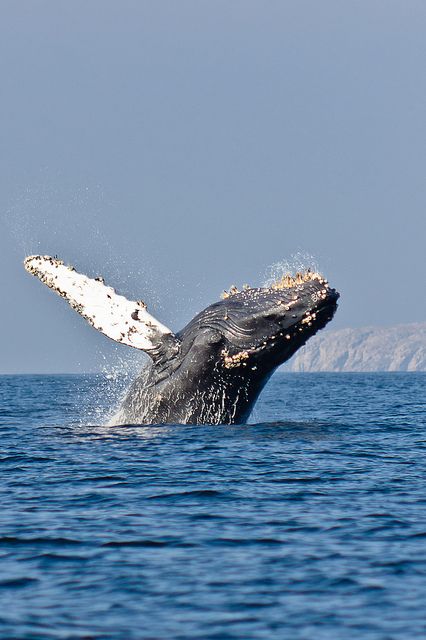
213 370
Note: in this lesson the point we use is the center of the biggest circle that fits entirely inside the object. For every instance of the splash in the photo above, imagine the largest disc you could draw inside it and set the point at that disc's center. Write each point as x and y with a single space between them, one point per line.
100 394
298 262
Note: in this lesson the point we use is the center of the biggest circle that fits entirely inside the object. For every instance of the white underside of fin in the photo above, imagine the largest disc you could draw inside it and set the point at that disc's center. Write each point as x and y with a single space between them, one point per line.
120 319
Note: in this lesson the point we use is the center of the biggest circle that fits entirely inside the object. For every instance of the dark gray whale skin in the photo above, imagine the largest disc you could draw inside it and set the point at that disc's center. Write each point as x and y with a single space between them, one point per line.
213 371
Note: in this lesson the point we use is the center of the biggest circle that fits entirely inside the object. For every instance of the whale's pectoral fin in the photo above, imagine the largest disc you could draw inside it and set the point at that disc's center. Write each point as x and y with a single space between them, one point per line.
120 319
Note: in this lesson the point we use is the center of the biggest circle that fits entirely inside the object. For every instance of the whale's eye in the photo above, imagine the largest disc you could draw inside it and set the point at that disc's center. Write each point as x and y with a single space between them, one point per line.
214 336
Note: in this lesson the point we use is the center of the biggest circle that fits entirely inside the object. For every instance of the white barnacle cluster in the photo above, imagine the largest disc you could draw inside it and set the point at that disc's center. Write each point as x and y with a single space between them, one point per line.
316 296
288 281
233 290
309 318
236 360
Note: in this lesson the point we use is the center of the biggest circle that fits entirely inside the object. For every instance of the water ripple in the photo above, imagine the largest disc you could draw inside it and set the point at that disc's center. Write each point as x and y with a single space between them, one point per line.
308 523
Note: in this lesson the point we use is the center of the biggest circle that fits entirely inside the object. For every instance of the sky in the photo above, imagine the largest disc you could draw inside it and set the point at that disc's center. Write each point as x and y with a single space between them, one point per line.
177 148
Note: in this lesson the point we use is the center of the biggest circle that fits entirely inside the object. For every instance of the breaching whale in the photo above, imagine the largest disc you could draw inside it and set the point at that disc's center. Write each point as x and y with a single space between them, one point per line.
212 371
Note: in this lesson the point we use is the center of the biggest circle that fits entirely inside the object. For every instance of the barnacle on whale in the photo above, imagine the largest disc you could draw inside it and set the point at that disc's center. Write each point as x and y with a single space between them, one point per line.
287 281
235 360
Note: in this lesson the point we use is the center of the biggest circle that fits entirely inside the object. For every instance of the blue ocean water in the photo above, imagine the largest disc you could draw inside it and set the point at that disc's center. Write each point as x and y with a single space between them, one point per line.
310 523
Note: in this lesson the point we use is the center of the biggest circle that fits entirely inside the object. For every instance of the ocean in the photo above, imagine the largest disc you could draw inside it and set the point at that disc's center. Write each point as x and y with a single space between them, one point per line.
309 522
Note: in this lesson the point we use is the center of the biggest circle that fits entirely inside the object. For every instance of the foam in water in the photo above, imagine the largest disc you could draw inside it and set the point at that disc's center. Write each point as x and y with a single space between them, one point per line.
116 375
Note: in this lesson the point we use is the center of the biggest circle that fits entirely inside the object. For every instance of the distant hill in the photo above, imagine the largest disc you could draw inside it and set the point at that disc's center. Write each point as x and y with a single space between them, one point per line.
398 348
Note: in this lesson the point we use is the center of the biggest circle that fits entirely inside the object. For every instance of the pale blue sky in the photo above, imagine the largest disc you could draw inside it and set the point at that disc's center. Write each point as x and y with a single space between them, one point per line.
178 147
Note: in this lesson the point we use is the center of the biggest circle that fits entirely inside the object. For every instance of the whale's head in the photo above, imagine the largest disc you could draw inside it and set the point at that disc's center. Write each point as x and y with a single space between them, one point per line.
257 329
